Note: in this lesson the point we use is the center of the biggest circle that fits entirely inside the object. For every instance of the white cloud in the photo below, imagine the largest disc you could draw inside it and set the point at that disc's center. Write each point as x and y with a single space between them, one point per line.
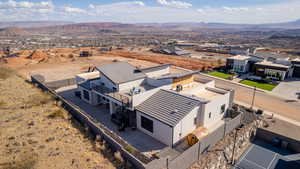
11 4
233 9
138 11
175 4
70 10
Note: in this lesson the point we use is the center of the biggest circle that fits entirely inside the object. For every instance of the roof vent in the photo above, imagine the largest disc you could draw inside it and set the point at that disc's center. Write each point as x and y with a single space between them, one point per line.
174 111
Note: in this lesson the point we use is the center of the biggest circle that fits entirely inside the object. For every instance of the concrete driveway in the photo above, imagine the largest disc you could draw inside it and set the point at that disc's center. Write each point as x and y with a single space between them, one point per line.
289 89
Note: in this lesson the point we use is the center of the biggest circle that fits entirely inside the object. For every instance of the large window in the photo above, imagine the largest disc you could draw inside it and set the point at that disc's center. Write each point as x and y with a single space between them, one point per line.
86 95
147 124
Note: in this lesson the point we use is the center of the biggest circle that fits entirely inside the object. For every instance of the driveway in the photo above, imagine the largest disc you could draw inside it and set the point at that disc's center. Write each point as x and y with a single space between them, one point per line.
289 89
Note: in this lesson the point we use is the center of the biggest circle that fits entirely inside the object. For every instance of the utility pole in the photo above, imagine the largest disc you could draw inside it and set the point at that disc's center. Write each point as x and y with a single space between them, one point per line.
254 91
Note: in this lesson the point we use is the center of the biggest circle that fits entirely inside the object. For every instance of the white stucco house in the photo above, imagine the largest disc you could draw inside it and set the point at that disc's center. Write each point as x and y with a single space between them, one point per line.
163 105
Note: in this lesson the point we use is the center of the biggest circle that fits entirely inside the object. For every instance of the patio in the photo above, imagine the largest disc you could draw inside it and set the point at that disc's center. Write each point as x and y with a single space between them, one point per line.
142 142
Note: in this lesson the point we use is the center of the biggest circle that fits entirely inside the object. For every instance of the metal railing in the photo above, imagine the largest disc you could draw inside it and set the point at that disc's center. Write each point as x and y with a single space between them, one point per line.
125 100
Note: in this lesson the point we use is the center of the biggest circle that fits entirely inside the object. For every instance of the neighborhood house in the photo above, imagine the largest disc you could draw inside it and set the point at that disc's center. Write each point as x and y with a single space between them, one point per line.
163 105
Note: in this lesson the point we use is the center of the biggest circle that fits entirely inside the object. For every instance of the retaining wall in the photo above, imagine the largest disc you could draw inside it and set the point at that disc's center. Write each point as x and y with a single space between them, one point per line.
182 161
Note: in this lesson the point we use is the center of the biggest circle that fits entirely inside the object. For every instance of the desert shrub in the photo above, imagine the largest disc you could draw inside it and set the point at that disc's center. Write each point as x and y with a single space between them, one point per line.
26 162
56 114
37 99
5 73
130 149
2 104
118 157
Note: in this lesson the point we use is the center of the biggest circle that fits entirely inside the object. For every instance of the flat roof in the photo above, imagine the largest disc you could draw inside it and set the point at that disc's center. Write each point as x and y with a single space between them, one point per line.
206 93
240 57
261 155
267 63
155 68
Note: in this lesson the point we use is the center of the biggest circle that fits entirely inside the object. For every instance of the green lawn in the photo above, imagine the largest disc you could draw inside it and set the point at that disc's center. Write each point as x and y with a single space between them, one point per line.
263 86
220 75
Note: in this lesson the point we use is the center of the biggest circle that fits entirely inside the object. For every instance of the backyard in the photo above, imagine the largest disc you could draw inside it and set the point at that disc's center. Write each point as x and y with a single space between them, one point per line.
264 86
221 75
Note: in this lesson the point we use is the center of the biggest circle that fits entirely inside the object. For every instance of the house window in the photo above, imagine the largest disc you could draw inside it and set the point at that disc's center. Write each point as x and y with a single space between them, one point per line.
195 120
86 95
209 115
147 124
222 108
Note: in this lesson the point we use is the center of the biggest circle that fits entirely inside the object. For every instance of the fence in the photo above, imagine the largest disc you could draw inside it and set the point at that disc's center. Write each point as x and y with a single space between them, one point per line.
195 152
182 161
116 143
61 83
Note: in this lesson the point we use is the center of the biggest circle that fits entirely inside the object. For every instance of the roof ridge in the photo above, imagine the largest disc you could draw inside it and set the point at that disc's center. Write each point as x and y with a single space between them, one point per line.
189 97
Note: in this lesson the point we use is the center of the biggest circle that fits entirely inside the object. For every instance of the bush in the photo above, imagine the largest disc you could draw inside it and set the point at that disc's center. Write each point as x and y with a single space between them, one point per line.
130 149
2 104
38 99
56 114
5 73
26 162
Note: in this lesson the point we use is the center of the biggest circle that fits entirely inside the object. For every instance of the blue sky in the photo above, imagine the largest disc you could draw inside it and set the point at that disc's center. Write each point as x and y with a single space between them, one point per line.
137 11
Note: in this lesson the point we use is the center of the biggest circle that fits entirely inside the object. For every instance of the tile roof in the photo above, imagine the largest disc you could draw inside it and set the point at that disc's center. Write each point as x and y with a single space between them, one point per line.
121 72
168 107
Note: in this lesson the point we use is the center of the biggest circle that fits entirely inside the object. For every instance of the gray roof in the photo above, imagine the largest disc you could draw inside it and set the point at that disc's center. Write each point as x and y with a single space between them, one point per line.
121 72
168 107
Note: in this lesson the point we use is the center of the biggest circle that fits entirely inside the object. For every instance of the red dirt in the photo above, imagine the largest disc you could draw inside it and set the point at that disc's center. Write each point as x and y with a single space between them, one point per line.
188 63
37 55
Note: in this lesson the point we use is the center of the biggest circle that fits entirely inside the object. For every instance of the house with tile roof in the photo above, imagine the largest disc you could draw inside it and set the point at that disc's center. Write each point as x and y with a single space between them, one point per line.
167 106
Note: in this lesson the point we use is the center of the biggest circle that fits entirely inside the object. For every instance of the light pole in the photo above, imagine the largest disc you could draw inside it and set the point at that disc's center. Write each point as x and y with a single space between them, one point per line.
254 91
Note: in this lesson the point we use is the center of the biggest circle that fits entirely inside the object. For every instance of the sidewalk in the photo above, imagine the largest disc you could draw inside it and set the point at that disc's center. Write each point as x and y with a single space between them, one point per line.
297 123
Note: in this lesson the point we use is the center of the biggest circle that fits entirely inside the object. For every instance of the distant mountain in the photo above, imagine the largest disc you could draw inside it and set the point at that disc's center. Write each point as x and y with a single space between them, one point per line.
32 24
12 31
96 27
285 25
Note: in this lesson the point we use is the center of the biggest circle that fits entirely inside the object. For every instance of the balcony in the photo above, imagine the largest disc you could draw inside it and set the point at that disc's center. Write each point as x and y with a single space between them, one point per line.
124 99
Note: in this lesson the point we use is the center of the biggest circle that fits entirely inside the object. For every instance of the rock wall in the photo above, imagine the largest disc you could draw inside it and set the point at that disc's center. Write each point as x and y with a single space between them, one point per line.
219 157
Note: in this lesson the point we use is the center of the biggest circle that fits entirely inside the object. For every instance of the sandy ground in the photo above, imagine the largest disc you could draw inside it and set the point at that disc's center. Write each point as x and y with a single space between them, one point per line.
56 70
30 139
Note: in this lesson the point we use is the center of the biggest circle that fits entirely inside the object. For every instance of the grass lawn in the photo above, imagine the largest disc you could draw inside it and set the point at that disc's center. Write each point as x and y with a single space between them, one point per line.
264 86
220 75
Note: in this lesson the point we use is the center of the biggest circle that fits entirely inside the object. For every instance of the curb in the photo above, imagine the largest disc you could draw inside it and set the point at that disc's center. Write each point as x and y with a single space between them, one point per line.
250 87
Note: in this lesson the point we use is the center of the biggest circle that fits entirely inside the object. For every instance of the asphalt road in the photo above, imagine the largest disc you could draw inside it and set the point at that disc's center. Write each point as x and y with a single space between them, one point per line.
263 100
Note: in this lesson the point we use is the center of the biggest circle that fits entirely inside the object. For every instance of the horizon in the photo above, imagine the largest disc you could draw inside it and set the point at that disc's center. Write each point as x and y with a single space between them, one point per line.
151 11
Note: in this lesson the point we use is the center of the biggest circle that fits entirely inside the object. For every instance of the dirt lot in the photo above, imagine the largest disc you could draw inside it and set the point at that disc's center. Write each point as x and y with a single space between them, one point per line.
34 133
57 64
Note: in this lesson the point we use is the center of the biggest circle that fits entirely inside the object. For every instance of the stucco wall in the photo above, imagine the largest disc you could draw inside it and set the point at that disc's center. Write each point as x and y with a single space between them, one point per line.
107 82
155 82
158 73
161 131
86 76
214 107
185 126
130 85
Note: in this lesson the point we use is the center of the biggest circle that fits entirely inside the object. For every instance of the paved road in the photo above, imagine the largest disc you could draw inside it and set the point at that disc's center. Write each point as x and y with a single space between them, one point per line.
263 100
